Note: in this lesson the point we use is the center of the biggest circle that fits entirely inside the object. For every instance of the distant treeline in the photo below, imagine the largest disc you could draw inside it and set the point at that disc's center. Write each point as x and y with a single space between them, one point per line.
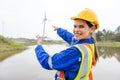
27 42
108 35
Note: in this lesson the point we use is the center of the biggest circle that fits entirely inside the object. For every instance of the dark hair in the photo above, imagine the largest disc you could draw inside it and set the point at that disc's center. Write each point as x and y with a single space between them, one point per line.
96 50
89 23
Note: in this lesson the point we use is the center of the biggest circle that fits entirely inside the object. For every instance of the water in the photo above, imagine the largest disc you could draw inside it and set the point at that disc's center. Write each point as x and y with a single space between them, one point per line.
24 66
108 67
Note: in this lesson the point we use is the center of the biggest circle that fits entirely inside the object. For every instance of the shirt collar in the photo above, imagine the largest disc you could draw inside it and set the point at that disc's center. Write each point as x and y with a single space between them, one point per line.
87 40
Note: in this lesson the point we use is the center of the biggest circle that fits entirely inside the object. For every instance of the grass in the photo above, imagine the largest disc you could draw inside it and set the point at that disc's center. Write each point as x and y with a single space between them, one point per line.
108 44
7 53
9 48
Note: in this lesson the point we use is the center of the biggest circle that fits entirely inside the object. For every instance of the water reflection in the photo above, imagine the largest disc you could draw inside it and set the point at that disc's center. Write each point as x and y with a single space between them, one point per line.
25 66
108 52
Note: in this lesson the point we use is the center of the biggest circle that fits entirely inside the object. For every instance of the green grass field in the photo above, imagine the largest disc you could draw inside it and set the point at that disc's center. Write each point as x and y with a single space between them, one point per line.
9 48
108 44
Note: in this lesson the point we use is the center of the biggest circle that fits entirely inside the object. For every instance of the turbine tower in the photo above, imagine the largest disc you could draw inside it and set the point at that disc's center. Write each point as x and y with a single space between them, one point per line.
44 24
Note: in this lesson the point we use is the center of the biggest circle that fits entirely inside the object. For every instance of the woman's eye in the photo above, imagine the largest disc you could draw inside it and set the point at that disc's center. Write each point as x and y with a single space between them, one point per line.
75 26
81 26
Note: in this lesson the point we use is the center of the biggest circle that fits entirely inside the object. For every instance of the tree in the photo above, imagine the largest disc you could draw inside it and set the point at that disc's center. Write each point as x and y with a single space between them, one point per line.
99 36
117 34
107 35
117 30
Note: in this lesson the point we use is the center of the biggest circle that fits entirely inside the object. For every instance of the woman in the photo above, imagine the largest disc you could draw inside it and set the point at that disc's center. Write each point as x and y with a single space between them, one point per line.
75 62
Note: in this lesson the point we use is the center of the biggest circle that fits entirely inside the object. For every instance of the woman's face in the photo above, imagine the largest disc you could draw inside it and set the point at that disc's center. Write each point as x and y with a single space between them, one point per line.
81 30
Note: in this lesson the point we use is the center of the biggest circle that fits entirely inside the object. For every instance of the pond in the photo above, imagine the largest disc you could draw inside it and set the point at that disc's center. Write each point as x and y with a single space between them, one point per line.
24 66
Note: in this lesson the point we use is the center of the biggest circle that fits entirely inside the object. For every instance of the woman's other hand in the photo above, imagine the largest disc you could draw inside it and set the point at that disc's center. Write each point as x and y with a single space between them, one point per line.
55 27
39 40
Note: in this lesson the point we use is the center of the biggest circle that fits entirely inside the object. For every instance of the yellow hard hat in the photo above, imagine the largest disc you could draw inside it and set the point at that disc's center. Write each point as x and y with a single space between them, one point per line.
88 15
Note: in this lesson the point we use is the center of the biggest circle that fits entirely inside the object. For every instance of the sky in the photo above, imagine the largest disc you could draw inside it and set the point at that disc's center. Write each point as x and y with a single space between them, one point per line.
24 18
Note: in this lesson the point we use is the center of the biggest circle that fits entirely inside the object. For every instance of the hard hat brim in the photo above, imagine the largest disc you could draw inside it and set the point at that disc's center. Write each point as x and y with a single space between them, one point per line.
77 18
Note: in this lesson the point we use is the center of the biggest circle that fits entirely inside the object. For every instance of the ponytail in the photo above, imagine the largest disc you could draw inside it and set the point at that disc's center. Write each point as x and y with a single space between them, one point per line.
96 50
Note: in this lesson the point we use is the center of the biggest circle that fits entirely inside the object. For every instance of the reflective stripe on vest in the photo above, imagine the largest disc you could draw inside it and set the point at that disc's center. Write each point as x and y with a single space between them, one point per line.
91 46
86 62
60 75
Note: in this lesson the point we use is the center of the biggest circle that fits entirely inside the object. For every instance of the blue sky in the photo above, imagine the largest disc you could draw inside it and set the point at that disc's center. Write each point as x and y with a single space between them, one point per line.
23 18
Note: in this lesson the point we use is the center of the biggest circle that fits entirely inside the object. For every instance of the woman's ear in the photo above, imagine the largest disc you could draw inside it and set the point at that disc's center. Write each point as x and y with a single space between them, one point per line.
92 29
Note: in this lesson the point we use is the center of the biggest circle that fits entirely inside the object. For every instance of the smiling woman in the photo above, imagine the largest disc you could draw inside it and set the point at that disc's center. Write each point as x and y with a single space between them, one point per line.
75 62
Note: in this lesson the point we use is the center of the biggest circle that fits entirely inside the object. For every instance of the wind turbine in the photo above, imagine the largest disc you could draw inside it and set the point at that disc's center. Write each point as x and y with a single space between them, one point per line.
44 24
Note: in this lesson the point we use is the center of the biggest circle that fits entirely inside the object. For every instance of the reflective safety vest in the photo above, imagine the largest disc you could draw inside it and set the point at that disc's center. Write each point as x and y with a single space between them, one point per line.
87 59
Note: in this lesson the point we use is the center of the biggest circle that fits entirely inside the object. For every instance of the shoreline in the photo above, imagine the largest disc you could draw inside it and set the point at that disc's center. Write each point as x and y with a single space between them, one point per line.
10 51
4 54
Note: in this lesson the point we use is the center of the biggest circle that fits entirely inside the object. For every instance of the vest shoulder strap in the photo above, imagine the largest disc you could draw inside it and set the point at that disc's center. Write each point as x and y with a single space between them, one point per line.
86 61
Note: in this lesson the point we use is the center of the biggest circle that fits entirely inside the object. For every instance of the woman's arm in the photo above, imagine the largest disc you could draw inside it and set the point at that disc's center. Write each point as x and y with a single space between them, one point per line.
64 34
60 61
